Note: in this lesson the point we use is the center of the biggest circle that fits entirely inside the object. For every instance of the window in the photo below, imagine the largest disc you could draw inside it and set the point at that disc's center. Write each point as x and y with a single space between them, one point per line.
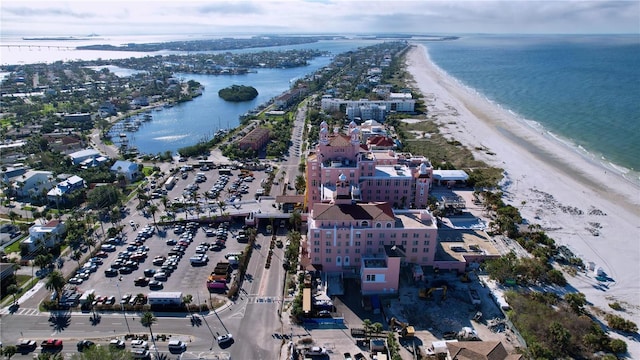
393 235
381 235
358 235
415 242
381 243
328 251
339 237
316 250
425 250
327 243
316 259
364 223
356 260
346 251
426 243
388 225
416 235
316 235
426 235
405 235
357 251
378 225
369 235
414 250
369 242
328 260
316 242
358 243
371 277
338 260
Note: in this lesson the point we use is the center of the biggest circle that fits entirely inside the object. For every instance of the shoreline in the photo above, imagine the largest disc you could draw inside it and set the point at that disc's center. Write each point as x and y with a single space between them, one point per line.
578 201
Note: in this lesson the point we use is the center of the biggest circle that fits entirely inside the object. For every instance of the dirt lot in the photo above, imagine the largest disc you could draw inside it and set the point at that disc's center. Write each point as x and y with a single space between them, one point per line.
437 315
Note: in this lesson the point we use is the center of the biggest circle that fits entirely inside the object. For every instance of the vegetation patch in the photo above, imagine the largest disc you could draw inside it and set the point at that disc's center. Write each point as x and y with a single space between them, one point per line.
238 93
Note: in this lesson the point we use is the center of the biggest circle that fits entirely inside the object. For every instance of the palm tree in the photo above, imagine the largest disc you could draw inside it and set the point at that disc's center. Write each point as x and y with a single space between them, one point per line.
147 320
366 324
153 209
187 299
295 219
377 328
90 299
55 282
13 216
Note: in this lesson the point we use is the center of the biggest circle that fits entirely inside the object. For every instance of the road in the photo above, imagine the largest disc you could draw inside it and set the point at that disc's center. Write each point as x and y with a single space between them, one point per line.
254 318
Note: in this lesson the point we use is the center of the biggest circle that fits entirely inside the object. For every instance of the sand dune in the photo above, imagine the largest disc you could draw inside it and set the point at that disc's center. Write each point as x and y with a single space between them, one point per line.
580 203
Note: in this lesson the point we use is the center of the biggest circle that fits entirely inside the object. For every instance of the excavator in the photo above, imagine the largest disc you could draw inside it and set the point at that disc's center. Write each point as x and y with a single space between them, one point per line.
405 329
428 293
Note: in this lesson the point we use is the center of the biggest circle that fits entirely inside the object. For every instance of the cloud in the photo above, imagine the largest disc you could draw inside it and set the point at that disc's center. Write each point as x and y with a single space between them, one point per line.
319 16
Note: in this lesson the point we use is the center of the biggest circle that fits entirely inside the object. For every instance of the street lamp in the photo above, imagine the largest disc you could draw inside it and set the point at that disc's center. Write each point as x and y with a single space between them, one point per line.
122 307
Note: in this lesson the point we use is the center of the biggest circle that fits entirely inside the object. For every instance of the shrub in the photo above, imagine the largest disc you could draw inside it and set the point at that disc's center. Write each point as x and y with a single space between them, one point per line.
618 346
616 306
619 323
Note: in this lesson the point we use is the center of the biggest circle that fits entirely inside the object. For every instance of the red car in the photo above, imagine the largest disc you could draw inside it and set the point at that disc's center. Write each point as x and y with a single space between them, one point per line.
102 254
51 344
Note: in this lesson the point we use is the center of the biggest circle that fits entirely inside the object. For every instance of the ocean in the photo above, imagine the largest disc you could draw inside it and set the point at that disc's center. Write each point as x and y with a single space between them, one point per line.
583 89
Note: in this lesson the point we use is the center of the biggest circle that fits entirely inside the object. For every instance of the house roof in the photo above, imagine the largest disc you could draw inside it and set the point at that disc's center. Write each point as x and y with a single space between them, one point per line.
450 175
84 153
52 223
370 211
124 165
478 350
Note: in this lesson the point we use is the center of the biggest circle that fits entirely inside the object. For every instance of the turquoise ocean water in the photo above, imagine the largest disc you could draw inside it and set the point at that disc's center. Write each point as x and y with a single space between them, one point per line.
583 89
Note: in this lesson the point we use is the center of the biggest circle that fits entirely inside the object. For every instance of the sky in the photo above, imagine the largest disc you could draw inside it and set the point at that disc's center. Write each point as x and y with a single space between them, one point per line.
145 17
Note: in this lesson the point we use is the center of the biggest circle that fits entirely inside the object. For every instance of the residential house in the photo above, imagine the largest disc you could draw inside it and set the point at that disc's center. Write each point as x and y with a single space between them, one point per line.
127 168
66 187
82 155
47 235
32 183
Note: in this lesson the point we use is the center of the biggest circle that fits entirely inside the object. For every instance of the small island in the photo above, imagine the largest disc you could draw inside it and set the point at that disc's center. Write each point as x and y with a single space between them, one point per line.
238 93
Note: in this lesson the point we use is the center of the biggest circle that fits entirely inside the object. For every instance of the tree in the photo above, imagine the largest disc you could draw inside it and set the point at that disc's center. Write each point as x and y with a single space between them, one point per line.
367 325
13 216
103 353
187 299
295 219
90 299
13 289
42 261
618 346
377 328
560 337
153 209
576 302
147 320
55 282
9 351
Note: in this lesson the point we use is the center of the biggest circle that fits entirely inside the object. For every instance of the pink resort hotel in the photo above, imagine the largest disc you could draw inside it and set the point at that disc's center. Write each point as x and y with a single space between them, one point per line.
368 217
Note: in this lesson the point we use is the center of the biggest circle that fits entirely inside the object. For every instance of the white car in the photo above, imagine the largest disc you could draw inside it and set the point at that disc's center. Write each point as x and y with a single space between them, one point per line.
316 350
139 344
223 339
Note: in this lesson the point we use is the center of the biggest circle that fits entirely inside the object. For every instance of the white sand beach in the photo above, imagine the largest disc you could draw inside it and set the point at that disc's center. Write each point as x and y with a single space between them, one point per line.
577 201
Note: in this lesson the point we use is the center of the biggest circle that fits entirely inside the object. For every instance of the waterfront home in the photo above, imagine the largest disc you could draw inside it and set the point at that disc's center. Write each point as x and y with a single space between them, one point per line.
127 168
82 155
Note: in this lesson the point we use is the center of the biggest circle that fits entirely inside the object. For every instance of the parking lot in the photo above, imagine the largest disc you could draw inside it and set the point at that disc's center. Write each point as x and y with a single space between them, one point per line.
164 258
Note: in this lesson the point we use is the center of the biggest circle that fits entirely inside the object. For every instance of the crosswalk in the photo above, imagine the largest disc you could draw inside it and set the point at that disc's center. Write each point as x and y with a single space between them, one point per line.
20 311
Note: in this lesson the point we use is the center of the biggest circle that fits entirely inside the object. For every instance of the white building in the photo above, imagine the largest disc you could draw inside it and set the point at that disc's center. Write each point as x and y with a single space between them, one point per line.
47 235
32 183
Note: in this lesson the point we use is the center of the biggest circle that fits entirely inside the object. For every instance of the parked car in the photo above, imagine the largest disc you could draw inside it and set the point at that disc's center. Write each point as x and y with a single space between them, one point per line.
111 272
316 350
85 344
139 344
141 281
149 272
155 285
177 346
118 344
26 346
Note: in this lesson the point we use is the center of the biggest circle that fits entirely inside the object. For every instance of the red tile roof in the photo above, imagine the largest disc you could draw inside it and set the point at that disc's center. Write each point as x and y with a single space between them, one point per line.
370 211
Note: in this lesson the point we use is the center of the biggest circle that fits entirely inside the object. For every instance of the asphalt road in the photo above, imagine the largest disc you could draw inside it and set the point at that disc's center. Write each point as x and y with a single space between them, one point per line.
253 319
